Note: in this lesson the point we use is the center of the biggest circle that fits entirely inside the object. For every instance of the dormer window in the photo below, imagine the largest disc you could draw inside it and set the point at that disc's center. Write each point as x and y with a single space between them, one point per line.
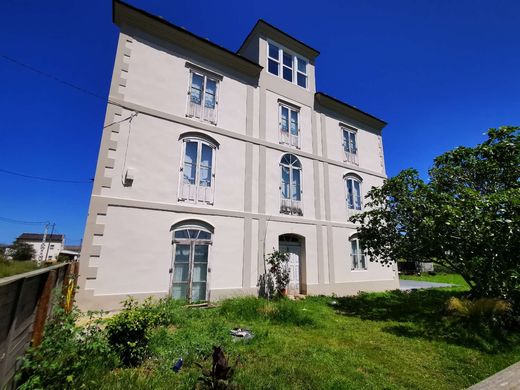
283 63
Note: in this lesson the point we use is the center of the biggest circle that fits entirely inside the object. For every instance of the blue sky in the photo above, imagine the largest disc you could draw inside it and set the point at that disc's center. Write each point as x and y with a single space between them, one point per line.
439 72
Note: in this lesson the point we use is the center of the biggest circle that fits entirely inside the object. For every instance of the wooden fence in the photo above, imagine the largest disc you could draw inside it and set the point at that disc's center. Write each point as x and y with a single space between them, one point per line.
25 304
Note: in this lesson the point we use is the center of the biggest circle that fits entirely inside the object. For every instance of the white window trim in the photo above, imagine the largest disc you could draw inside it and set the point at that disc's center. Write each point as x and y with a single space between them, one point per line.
191 242
353 177
295 70
203 108
352 268
352 158
198 187
298 135
299 202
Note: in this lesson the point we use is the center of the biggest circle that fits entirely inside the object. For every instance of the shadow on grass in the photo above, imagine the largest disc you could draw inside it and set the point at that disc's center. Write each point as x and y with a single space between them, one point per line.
422 314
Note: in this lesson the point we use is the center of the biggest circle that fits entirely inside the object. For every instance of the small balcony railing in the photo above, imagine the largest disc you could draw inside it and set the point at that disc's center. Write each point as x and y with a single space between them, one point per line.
291 207
290 139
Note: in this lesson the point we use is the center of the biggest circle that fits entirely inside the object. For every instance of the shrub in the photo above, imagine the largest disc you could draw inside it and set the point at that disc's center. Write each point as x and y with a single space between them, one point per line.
483 311
128 331
279 269
69 355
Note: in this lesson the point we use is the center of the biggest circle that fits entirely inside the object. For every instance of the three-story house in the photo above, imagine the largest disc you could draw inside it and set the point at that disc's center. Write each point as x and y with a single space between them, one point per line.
210 159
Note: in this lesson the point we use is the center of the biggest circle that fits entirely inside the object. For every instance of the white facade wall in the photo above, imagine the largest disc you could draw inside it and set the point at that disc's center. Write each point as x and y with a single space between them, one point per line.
128 243
50 251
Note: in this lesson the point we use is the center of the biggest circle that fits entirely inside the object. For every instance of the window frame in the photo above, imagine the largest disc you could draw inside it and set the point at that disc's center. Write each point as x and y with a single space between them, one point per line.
355 265
195 70
290 109
198 166
298 210
354 178
349 156
294 62
191 242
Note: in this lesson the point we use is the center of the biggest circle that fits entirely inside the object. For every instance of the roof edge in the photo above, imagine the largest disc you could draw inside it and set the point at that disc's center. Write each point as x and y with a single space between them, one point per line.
169 24
330 102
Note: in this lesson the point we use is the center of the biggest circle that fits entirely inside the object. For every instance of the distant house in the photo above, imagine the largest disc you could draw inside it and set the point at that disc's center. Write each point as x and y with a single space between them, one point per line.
71 252
49 250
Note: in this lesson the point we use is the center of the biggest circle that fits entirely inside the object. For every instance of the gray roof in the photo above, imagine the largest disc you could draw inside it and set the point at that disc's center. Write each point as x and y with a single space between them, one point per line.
39 237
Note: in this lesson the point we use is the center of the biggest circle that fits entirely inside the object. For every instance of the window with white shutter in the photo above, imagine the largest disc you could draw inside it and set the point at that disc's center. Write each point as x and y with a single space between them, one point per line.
354 196
291 185
350 144
357 255
203 97
289 125
197 179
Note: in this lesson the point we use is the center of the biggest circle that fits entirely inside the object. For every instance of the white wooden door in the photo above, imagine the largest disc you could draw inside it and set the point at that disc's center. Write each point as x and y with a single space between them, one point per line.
294 251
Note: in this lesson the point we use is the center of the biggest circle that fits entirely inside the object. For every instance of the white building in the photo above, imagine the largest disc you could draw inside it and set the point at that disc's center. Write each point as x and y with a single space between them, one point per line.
48 249
211 158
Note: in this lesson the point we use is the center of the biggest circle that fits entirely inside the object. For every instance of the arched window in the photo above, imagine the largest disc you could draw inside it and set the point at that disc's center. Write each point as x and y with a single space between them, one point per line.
357 254
290 186
197 180
353 187
191 242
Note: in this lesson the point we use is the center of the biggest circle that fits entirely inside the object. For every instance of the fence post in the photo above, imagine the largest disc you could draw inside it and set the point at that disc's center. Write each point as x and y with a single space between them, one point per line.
43 308
69 286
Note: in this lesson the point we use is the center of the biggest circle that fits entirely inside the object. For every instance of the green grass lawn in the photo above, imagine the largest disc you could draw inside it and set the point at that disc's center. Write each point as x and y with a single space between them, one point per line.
10 268
393 340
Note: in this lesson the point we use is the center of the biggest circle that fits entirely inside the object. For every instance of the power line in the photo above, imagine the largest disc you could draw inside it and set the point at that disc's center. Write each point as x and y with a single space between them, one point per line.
17 221
67 83
45 178
52 77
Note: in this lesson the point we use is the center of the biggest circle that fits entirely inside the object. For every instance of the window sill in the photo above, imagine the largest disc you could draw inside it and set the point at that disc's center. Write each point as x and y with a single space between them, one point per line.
201 120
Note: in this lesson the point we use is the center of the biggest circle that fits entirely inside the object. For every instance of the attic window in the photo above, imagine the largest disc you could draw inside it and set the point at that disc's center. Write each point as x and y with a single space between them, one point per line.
284 63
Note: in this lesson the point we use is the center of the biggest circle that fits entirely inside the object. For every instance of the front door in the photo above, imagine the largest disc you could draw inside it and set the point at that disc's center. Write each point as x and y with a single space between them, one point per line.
294 251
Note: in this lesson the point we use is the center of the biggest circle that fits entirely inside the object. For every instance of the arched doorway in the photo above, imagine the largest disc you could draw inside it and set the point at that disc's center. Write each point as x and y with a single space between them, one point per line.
294 245
191 242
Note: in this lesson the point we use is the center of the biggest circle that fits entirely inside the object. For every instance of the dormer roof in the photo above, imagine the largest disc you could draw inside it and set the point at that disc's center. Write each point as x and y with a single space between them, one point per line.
263 28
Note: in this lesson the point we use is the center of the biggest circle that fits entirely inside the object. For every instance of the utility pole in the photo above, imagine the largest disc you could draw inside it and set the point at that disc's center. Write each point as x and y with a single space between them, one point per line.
49 244
42 246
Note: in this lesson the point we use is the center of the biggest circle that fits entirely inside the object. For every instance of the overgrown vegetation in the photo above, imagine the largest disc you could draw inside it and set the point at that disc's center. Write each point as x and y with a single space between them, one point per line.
466 217
21 251
10 268
380 340
69 356
274 282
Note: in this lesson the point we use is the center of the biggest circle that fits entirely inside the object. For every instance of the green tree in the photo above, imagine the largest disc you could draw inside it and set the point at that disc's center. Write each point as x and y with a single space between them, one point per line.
22 251
465 217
